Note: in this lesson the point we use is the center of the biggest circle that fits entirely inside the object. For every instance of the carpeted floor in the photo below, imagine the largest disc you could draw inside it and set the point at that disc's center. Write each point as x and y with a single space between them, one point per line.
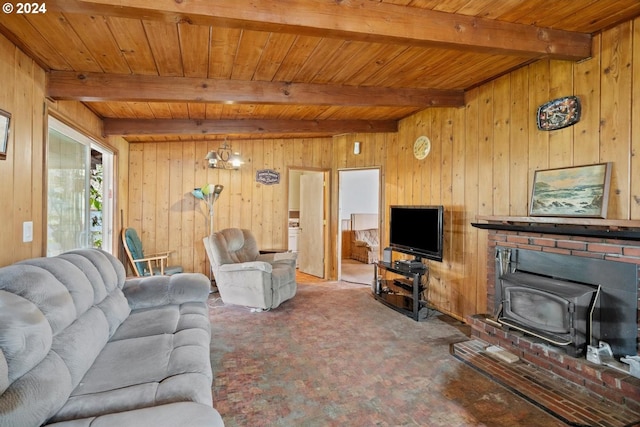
333 356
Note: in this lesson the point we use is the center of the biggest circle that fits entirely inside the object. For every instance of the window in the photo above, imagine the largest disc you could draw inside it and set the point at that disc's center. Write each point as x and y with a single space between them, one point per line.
80 190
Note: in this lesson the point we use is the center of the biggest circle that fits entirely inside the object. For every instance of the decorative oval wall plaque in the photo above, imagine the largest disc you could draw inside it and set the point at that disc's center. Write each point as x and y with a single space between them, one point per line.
559 113
268 176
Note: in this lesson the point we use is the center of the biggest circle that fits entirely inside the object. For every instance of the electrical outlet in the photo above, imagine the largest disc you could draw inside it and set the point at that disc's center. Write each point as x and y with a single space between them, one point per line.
27 231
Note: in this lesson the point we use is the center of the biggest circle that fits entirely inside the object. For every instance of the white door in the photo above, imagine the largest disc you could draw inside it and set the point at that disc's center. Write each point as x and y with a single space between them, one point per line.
311 240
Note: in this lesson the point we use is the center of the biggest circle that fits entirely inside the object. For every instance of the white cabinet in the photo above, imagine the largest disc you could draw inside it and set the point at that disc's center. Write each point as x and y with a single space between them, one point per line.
294 232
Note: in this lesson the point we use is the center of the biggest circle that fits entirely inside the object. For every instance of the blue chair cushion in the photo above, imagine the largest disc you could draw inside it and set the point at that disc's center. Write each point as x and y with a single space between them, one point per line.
133 242
135 247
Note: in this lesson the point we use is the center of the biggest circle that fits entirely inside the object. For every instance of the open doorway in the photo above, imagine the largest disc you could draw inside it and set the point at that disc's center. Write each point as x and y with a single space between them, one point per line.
359 224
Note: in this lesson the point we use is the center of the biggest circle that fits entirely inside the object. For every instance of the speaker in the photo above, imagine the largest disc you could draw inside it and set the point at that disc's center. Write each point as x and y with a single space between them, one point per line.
386 255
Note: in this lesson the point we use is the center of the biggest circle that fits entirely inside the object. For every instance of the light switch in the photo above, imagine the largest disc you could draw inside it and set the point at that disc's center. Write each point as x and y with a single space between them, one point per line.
27 231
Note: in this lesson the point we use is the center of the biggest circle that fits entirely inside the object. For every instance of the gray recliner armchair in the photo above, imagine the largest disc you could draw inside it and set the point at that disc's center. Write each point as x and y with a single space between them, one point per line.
246 277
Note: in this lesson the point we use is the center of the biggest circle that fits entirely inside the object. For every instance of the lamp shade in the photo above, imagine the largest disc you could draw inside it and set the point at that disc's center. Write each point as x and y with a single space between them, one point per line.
208 191
197 193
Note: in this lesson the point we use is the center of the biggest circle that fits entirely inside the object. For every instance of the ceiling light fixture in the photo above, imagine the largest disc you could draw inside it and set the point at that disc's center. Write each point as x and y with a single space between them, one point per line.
224 158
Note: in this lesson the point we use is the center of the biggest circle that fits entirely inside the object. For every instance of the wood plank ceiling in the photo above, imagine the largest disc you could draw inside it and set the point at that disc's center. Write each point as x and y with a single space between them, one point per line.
165 70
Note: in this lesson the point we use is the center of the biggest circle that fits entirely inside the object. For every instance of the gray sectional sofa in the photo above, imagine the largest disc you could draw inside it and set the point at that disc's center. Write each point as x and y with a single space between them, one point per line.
82 346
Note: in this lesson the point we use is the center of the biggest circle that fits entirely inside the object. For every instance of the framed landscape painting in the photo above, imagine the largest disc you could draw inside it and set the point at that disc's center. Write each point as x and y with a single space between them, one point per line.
579 191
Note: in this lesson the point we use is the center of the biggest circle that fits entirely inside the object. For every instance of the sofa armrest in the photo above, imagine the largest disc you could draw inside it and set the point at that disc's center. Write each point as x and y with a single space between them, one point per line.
278 256
180 414
153 291
288 258
244 266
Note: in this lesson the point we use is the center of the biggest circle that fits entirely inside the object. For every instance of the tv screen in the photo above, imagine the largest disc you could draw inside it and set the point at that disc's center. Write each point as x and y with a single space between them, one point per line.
417 230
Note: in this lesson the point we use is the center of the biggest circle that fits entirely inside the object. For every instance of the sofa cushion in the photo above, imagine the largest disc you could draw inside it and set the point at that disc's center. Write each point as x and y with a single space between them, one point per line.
159 369
80 343
69 275
167 319
181 414
111 271
41 288
91 278
25 336
31 399
30 371
368 237
154 291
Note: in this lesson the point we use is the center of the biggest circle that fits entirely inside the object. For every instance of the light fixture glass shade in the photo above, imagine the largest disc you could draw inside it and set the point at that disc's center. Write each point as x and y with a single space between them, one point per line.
236 160
224 158
212 155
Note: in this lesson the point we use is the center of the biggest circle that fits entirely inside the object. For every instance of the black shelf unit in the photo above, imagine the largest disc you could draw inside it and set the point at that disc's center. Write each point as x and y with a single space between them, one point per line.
400 292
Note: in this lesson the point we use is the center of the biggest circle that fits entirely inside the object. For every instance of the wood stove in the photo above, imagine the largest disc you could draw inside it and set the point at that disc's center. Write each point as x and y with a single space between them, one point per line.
557 311
570 302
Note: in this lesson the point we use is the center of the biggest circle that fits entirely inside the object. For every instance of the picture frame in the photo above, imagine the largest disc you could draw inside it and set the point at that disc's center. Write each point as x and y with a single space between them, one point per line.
578 191
5 127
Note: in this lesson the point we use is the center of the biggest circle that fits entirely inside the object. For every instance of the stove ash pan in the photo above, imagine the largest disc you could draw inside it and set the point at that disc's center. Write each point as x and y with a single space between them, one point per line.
557 311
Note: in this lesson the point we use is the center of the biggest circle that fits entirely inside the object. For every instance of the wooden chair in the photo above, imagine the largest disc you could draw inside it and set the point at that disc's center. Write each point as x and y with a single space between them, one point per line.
149 265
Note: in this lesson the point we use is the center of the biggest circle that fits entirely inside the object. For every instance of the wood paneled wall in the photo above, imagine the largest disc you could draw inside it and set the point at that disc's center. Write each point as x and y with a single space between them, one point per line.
484 156
22 177
482 162
162 209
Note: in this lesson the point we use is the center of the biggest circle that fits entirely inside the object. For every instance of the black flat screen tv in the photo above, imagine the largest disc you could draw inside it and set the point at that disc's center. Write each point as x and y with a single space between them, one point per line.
417 230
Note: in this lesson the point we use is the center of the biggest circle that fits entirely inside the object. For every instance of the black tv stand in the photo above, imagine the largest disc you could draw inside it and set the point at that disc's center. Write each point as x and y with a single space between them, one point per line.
399 285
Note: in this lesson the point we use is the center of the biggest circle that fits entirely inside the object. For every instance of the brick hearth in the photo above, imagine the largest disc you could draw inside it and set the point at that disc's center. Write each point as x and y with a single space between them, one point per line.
561 398
598 380
608 383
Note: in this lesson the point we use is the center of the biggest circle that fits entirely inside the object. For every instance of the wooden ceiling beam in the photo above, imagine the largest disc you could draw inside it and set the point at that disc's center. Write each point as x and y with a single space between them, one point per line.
127 127
365 20
97 87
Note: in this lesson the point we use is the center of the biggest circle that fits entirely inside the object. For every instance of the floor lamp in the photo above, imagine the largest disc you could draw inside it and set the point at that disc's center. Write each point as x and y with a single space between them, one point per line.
209 194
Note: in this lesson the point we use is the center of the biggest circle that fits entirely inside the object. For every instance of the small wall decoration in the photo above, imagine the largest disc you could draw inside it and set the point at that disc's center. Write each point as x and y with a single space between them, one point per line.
5 124
579 191
421 147
559 113
268 176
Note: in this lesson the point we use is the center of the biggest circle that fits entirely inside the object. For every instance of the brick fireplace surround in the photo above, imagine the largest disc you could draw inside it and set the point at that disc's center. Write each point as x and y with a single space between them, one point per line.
542 235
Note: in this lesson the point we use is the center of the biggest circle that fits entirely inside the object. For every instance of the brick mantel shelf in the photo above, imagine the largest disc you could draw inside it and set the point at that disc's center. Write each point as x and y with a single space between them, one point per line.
587 227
